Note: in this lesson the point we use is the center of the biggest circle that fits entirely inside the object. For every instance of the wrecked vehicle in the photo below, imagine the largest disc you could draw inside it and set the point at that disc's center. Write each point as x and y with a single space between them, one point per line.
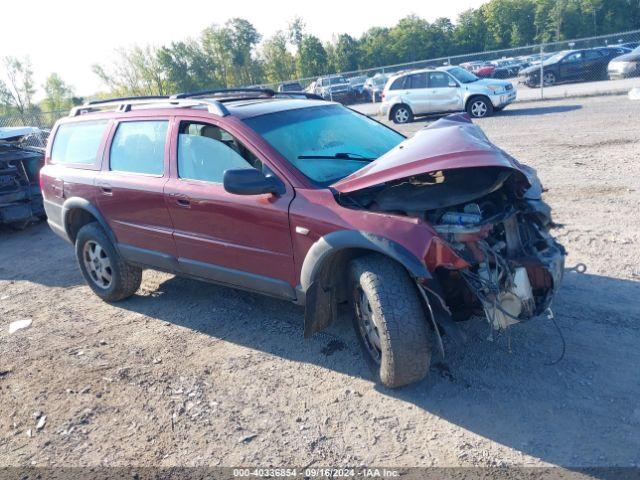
21 157
307 201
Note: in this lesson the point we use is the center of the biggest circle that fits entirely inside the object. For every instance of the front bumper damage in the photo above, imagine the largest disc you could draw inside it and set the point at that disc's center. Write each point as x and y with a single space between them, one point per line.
491 253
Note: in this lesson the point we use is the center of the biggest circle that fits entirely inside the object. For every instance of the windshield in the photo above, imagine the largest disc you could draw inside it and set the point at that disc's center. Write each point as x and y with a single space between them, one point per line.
556 57
326 143
337 80
462 75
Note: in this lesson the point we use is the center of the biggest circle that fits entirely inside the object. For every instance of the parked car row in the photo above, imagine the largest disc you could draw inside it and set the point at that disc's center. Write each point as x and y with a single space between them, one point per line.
597 63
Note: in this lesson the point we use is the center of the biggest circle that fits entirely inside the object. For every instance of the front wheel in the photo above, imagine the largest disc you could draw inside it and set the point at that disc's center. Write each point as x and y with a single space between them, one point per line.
549 79
401 114
479 107
389 320
106 272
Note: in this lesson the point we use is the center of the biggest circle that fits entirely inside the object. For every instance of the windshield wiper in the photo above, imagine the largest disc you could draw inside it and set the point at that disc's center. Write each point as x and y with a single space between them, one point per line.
339 155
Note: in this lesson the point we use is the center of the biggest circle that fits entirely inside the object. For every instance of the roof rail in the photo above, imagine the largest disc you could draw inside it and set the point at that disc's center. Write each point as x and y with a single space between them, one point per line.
221 91
124 104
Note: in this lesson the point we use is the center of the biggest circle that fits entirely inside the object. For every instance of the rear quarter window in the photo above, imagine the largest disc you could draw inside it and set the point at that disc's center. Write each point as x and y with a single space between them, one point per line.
398 83
78 143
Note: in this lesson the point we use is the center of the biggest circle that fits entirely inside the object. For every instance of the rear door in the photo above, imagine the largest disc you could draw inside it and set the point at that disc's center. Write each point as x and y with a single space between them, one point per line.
444 93
240 240
131 187
415 90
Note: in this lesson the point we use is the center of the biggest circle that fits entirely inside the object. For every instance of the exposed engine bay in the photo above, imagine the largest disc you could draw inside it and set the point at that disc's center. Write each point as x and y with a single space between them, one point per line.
21 157
494 220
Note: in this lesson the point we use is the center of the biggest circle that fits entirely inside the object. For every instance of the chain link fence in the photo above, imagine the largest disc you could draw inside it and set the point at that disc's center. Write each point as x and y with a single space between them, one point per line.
40 120
579 67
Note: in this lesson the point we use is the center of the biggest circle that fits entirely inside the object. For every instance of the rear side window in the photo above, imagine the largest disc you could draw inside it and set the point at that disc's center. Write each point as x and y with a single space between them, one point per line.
138 147
398 84
417 80
78 142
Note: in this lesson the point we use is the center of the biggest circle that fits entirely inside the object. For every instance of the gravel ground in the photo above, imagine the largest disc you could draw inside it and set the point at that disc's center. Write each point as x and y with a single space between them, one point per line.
187 373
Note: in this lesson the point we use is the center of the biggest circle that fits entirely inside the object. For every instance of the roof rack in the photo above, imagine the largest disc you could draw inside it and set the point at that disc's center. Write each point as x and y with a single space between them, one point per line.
124 104
267 92
188 99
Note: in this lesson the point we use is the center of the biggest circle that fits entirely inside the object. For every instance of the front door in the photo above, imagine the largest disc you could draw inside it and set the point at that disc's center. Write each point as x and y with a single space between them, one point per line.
239 240
444 93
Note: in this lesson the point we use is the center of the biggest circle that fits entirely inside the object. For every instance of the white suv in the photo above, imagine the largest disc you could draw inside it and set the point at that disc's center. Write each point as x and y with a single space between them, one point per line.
447 89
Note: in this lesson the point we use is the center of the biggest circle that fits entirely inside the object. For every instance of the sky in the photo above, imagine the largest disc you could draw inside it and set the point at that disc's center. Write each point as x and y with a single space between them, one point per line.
68 36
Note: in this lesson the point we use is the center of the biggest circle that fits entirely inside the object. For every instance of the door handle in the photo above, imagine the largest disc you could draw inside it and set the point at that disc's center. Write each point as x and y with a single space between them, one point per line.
105 188
182 201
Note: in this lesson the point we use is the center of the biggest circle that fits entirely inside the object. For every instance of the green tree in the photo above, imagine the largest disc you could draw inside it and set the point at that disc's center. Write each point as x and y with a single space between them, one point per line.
345 54
312 57
187 68
136 71
296 31
375 48
230 47
58 95
17 93
279 64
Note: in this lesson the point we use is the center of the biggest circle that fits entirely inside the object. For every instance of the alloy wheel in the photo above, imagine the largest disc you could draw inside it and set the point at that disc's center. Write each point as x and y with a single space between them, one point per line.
549 78
478 109
97 264
367 326
402 115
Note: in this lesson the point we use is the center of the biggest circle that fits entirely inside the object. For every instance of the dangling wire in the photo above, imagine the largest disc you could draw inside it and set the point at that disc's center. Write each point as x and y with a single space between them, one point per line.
551 317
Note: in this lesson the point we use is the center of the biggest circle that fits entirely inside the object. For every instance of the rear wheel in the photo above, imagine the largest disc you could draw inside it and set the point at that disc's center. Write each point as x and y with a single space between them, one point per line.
108 275
401 114
389 320
479 107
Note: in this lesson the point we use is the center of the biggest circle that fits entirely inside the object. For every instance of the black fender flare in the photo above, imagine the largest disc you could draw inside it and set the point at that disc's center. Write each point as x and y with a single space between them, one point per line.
328 245
321 301
74 203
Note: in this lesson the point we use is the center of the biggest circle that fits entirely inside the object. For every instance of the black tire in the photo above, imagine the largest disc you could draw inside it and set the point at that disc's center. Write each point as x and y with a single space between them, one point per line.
125 278
479 107
401 114
549 79
399 316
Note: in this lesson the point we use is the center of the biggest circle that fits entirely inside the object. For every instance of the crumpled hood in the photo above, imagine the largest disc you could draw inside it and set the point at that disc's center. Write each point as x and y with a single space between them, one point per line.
449 143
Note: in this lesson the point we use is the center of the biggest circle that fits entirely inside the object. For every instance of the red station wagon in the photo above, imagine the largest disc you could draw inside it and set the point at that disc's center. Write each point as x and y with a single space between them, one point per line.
308 201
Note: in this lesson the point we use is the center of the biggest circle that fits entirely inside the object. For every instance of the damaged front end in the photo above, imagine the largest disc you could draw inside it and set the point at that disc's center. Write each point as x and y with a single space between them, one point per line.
491 251
21 157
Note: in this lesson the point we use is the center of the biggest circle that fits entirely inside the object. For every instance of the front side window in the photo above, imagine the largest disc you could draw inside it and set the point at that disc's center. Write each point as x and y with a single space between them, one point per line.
78 142
574 57
206 151
138 147
325 143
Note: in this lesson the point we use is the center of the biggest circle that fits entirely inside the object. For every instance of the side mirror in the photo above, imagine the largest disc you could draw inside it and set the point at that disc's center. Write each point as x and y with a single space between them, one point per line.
250 181
453 84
